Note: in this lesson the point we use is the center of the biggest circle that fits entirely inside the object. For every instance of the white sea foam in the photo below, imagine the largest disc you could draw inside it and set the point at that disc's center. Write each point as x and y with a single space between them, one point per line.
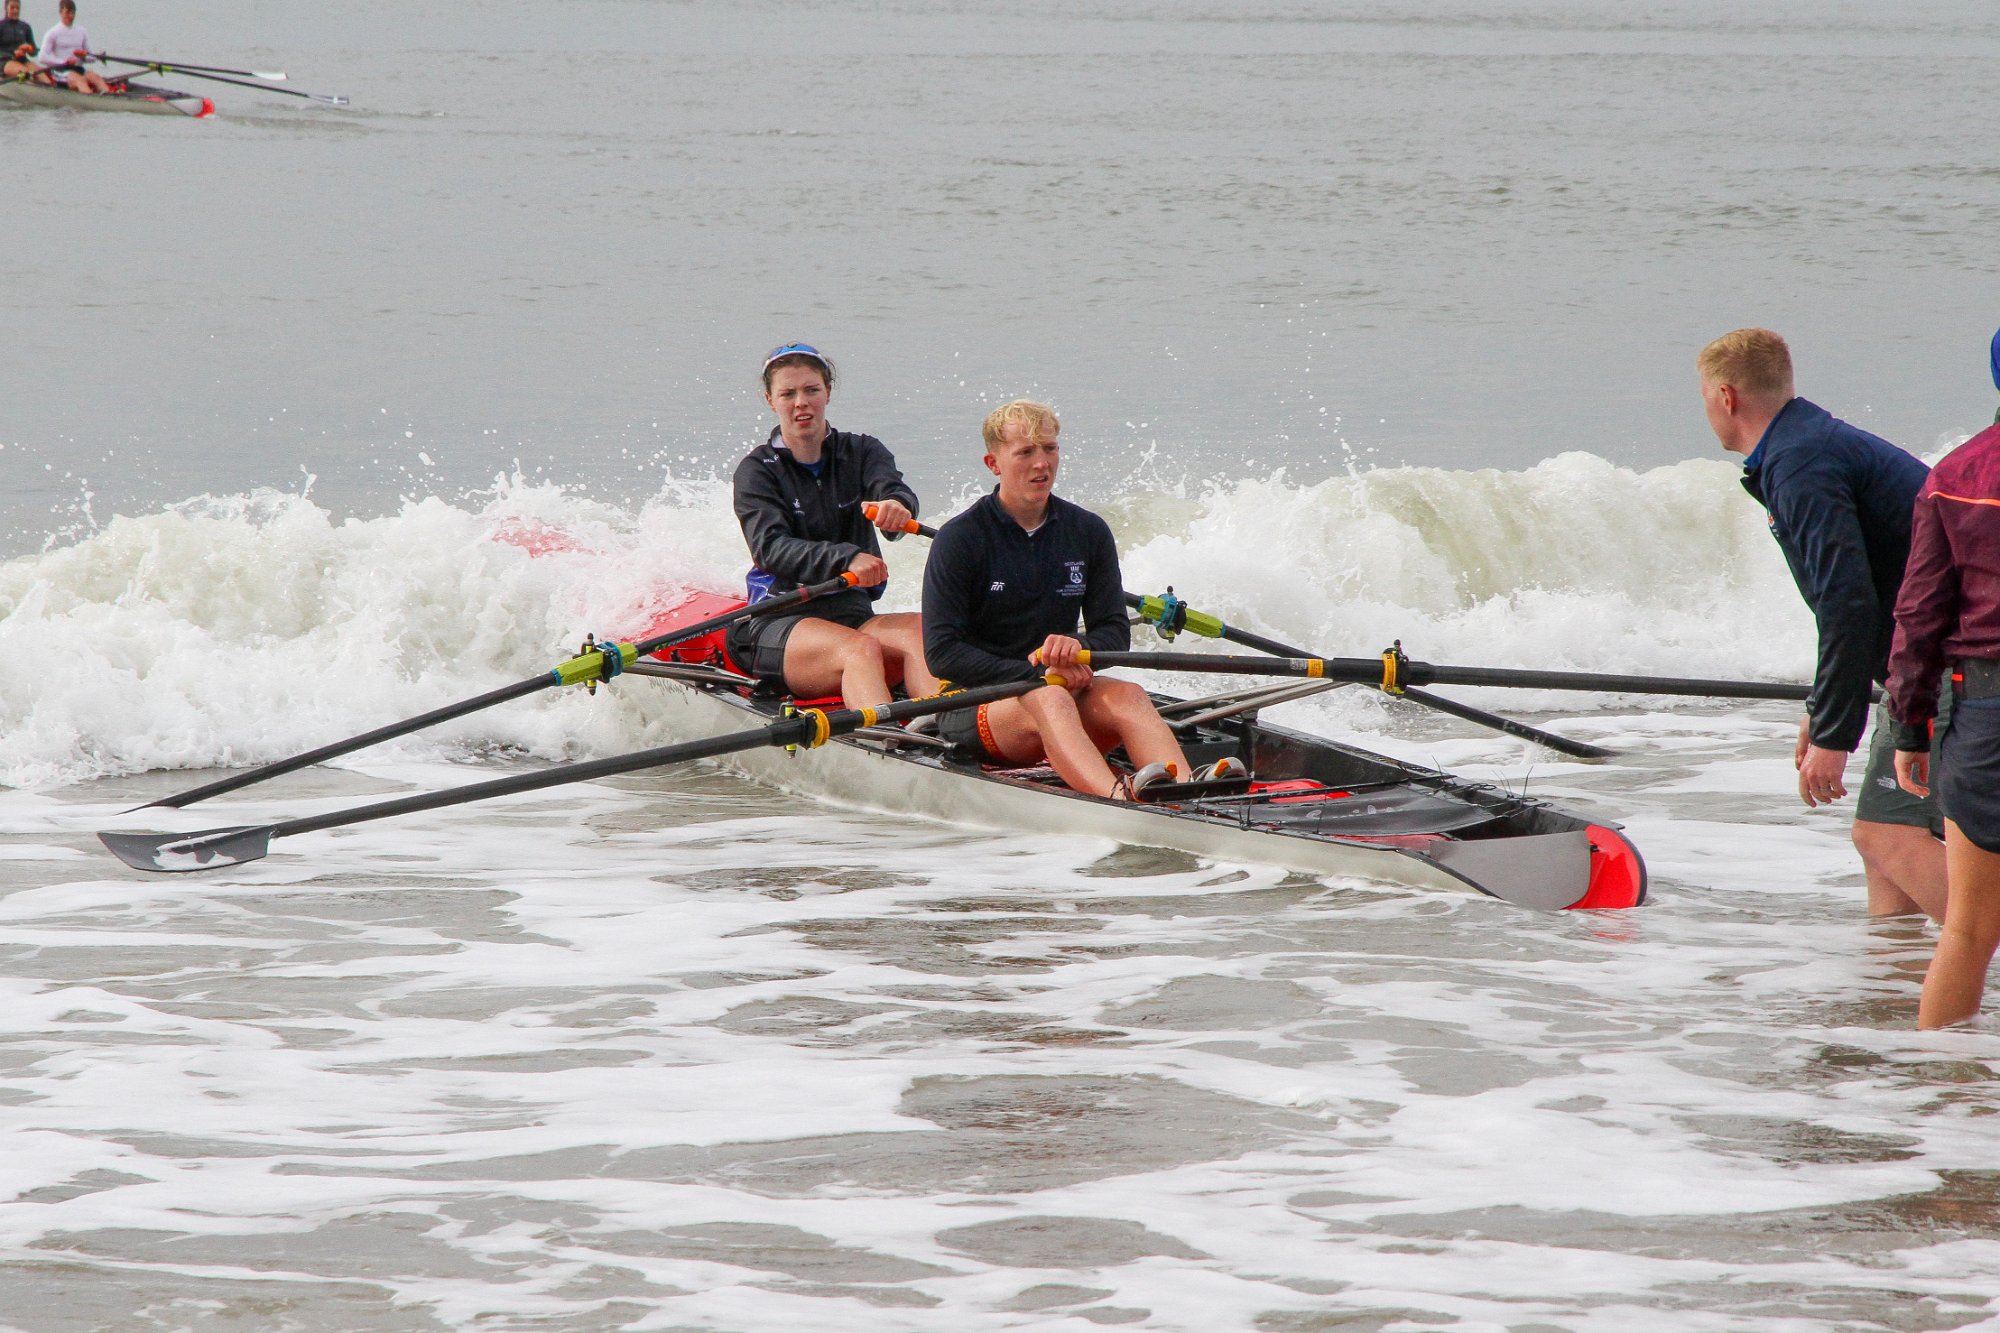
237 630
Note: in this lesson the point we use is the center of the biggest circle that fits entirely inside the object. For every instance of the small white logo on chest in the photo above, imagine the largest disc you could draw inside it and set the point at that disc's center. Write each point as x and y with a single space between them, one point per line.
999 585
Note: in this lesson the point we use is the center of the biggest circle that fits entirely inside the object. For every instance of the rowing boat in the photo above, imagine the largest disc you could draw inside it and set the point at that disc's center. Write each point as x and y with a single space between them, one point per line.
1313 805
138 97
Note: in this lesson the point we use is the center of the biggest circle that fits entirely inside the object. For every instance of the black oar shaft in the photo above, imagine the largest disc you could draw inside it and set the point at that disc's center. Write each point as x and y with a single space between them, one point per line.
353 743
587 666
1215 628
804 729
551 777
330 99
1562 744
1184 616
168 66
1376 672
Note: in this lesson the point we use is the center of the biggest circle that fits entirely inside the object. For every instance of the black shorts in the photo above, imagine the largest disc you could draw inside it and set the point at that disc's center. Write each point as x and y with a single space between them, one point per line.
756 644
970 731
1967 771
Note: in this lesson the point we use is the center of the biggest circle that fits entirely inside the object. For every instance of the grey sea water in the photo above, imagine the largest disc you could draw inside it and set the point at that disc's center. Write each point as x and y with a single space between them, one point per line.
1229 236
1367 322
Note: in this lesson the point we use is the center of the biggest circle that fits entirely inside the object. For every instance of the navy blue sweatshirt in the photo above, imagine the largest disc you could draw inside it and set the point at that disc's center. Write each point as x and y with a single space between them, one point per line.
1839 500
993 592
803 528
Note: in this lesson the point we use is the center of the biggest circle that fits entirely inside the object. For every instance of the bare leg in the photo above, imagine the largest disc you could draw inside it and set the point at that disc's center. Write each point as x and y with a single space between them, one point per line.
1117 712
1957 976
1073 731
823 658
1045 724
1905 868
902 638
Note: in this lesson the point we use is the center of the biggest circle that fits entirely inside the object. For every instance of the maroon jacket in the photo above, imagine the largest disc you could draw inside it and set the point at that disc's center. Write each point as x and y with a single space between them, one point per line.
1949 606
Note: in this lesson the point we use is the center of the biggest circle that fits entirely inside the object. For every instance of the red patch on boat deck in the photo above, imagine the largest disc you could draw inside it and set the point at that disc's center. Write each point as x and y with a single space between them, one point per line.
1302 789
691 608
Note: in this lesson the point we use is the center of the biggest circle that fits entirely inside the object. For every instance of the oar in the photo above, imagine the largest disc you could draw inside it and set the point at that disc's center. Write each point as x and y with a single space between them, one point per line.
809 728
1395 673
597 662
1170 615
327 98
169 67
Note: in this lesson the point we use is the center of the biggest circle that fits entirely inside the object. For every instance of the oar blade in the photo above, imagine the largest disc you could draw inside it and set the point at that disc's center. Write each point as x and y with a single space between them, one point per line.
179 853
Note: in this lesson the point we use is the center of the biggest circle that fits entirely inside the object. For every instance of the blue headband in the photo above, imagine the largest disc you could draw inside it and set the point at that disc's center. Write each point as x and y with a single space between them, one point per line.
795 349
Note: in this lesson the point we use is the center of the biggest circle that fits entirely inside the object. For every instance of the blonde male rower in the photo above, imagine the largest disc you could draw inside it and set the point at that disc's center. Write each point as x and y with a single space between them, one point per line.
1008 585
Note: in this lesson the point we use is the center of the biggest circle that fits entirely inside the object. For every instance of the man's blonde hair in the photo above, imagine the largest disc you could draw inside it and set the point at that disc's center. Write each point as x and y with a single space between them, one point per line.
1755 362
1037 419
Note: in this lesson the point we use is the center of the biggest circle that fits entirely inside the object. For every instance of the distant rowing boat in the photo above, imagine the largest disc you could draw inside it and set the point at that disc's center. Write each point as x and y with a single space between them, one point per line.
136 97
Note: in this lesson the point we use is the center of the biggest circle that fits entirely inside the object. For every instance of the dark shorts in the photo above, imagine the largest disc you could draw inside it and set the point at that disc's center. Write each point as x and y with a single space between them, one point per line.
970 731
1966 771
757 644
1882 800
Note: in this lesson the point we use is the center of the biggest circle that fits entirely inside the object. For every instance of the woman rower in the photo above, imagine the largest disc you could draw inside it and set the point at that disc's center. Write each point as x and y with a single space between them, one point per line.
1949 611
799 496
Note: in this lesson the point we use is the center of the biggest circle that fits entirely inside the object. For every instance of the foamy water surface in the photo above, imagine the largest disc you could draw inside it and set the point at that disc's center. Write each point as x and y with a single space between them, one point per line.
679 1051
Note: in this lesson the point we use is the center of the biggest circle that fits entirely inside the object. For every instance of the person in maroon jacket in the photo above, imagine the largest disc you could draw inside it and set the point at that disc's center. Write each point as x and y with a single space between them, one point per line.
1948 611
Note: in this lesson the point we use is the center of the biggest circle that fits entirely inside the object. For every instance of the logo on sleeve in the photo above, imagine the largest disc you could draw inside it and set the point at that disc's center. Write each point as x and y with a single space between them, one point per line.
1075 586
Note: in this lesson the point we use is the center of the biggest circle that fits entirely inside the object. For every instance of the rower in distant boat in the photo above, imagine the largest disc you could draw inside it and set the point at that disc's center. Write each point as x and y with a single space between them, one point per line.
1007 583
64 49
799 498
17 39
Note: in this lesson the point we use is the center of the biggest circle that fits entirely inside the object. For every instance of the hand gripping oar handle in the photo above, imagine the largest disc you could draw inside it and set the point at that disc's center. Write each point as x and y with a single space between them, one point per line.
807 729
914 528
1395 673
600 663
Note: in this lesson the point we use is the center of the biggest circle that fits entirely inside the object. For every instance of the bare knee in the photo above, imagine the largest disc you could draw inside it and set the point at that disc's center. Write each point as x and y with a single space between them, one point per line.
1050 704
1121 697
860 651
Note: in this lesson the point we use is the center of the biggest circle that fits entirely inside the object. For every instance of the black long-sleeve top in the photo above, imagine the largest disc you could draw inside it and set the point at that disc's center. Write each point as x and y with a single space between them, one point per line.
1839 500
803 528
993 592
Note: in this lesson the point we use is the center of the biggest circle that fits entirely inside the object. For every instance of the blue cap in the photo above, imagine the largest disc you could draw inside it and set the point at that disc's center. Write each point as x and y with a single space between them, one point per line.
796 349
1996 360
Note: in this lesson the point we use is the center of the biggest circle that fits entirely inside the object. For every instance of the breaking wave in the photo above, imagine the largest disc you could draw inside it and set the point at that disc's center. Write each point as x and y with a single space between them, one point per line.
237 630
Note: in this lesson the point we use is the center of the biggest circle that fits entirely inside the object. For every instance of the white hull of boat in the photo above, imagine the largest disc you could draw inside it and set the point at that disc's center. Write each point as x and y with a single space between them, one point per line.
865 774
140 100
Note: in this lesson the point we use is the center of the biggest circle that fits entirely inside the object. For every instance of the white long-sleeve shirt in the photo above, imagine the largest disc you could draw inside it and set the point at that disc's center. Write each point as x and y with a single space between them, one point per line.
61 44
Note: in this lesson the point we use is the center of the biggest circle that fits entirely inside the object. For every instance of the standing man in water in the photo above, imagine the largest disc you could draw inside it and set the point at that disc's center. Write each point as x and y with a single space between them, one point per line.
1009 584
1839 501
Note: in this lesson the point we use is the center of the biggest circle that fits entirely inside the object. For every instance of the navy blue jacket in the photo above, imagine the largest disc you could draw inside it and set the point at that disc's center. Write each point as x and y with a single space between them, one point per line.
1839 500
806 529
993 592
